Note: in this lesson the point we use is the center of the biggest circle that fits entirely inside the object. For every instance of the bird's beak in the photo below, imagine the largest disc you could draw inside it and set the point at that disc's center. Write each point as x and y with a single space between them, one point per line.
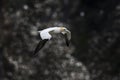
63 32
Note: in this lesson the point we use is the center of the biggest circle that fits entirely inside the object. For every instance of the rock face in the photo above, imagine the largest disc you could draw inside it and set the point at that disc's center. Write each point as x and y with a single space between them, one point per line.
95 40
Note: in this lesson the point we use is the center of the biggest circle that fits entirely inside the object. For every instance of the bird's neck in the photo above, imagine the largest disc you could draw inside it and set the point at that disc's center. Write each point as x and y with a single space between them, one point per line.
54 30
57 30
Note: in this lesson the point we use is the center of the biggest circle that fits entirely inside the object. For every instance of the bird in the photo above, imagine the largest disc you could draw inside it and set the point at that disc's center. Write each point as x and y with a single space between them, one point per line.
47 34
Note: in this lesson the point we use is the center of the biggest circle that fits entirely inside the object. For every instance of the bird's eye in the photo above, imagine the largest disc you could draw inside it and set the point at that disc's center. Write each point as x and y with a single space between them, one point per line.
64 29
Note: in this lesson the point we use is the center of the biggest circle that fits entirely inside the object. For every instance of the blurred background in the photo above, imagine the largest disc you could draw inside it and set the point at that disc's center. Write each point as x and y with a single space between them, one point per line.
94 53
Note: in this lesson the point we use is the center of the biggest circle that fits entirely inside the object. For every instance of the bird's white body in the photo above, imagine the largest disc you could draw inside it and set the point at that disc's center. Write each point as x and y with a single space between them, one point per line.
44 34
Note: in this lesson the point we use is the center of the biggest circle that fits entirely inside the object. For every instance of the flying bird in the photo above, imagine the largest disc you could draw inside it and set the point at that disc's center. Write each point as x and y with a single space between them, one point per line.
46 35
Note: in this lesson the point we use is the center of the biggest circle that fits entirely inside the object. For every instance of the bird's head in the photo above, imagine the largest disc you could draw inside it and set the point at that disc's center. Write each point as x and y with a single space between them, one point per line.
63 30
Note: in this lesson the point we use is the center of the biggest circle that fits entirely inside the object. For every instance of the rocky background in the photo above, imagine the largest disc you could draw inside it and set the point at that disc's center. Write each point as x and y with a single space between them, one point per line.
94 53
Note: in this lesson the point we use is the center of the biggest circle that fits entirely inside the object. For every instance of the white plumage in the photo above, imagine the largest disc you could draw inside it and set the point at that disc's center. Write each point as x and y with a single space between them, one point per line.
46 34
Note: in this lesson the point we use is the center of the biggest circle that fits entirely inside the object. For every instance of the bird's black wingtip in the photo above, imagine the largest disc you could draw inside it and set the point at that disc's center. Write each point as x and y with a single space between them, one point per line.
34 54
39 46
67 43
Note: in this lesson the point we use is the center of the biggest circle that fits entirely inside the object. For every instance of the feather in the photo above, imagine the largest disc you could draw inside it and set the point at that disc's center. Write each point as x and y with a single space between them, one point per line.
67 40
40 46
67 36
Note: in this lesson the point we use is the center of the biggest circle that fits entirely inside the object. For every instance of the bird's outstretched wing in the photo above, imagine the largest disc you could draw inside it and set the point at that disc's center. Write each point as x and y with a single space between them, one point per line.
40 45
67 36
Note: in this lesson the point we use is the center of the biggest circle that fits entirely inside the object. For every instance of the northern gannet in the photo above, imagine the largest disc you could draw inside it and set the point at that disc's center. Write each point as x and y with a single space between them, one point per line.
46 34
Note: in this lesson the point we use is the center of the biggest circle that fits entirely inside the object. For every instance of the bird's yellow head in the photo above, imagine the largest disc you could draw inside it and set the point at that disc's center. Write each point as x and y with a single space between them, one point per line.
62 29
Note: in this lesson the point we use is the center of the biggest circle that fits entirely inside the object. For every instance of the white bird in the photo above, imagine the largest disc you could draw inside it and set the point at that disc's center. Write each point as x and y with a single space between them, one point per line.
46 34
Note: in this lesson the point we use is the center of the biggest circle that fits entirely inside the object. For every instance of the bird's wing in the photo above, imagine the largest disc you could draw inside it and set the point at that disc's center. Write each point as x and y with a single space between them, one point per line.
40 45
45 35
67 36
